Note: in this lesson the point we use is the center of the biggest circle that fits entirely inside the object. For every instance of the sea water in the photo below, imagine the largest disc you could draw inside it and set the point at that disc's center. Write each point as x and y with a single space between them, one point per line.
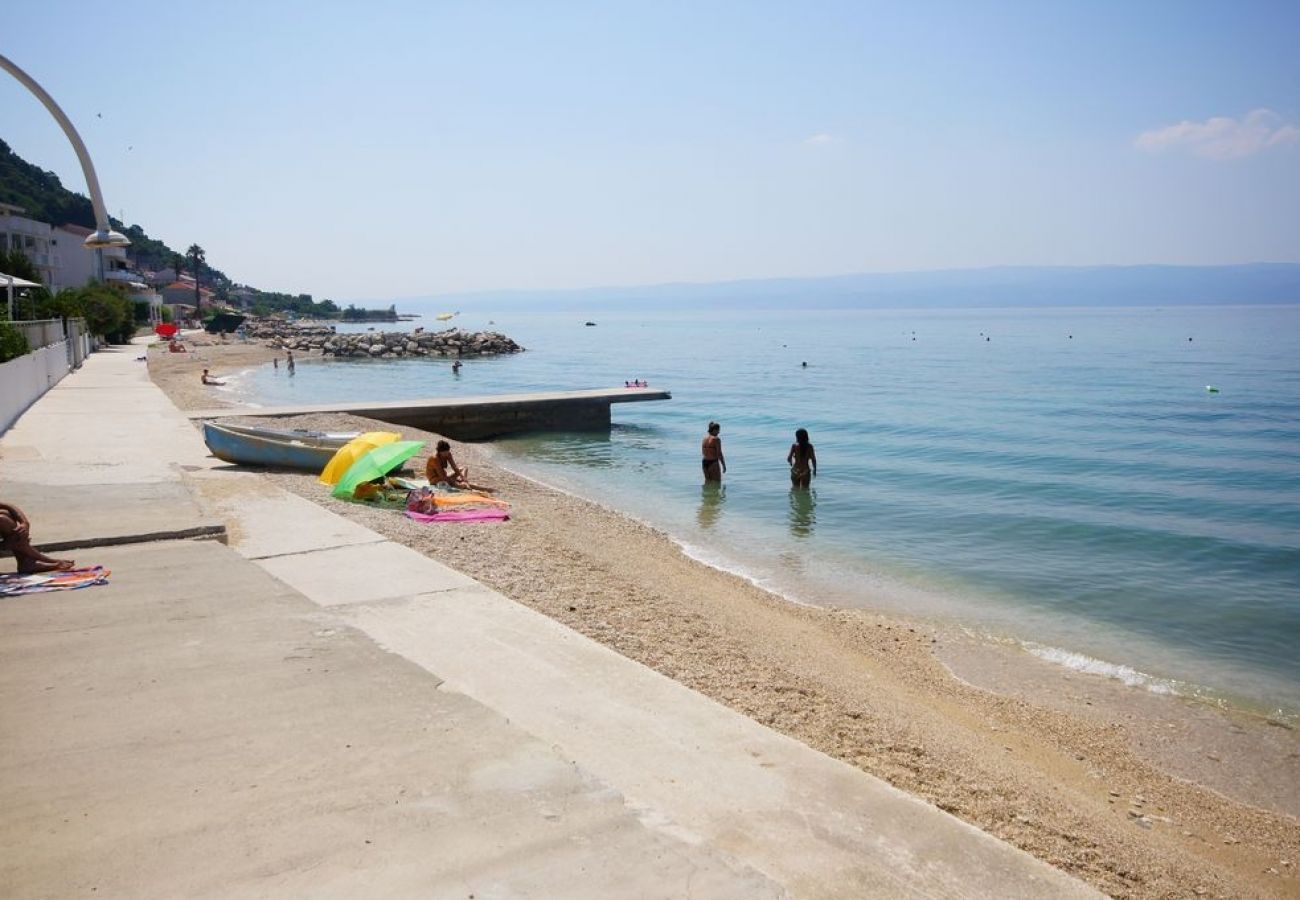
1061 477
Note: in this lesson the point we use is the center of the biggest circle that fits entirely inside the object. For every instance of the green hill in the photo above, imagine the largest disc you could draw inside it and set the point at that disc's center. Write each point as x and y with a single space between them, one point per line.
41 193
44 198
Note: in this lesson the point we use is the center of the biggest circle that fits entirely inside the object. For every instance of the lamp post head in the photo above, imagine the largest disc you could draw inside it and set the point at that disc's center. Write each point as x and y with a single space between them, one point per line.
105 238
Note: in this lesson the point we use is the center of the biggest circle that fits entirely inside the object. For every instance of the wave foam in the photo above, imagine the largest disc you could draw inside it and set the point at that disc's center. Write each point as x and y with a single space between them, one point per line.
1091 666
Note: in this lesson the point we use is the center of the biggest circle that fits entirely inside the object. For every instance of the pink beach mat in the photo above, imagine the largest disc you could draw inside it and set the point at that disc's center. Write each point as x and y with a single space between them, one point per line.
460 515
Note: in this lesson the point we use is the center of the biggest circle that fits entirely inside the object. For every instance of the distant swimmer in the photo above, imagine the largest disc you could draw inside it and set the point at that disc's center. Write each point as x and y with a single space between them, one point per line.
804 364
802 460
714 463
455 367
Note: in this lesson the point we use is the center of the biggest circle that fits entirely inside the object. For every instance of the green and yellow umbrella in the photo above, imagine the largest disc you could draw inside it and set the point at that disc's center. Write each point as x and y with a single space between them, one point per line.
352 451
374 464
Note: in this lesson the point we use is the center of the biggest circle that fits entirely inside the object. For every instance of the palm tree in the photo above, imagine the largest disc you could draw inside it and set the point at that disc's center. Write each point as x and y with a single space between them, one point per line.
197 258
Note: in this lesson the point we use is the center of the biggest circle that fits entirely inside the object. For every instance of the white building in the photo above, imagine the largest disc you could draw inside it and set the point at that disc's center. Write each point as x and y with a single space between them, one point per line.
63 261
33 239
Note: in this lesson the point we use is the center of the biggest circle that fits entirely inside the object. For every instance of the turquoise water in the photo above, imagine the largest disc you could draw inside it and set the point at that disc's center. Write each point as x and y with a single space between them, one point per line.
1059 476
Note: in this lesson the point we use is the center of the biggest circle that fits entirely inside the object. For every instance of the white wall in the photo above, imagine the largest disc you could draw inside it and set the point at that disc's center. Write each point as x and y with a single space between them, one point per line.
77 265
25 380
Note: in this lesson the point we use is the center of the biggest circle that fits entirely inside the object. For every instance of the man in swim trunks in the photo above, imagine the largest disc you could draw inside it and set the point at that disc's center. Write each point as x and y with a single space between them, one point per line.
714 463
435 471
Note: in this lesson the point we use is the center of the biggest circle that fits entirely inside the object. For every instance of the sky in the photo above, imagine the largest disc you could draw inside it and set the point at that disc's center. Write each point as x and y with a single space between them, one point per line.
398 149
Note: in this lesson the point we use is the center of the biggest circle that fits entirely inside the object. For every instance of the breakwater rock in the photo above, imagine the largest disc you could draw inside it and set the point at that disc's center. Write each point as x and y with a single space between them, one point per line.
452 342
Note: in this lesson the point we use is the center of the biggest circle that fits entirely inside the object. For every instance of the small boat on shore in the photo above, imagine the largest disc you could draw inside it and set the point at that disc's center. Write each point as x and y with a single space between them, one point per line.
282 448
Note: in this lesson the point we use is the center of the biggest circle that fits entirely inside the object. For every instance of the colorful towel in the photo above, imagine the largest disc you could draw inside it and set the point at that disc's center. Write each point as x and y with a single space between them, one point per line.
14 585
460 515
467 499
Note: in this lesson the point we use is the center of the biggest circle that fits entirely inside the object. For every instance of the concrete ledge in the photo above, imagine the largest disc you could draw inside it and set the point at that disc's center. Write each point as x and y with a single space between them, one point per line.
223 737
475 418
68 517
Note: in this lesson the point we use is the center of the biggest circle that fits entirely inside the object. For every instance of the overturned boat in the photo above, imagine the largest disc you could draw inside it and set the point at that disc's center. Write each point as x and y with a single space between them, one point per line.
281 448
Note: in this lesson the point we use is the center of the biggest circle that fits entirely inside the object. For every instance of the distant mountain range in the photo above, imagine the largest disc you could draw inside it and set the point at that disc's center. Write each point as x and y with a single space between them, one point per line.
1047 286
1013 286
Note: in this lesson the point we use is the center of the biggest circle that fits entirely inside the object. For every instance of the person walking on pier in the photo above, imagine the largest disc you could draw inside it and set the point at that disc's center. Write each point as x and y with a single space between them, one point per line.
714 463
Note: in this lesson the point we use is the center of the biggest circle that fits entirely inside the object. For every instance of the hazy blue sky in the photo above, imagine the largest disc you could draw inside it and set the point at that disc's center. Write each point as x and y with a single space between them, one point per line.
426 147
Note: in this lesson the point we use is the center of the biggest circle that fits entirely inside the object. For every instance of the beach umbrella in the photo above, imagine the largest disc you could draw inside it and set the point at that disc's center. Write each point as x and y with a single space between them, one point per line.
374 464
352 451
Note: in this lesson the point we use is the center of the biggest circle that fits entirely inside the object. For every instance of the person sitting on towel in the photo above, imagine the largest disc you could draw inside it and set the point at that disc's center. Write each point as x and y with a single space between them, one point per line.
436 471
15 536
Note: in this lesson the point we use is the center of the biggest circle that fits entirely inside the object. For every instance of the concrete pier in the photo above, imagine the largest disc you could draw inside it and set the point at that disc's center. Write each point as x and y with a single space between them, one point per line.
475 418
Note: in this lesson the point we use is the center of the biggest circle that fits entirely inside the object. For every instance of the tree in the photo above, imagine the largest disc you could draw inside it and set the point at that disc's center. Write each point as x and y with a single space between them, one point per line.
107 311
197 258
12 342
16 263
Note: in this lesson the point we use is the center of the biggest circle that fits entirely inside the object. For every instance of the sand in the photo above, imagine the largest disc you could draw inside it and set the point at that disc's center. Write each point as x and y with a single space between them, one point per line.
1140 795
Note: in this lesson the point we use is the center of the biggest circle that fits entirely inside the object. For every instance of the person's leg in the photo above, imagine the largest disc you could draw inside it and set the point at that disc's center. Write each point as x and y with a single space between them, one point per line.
30 560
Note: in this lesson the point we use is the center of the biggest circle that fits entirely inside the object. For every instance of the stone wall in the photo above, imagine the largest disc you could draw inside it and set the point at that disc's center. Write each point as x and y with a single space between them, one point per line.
452 342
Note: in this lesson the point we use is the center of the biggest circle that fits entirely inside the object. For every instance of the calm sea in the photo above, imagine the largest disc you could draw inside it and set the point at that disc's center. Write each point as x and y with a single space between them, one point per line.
1061 477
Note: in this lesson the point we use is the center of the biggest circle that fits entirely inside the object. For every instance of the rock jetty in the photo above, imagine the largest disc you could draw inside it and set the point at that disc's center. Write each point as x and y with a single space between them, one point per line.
451 342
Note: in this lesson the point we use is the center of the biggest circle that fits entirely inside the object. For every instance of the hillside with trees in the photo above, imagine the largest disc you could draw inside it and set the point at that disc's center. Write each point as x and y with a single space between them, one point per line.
44 198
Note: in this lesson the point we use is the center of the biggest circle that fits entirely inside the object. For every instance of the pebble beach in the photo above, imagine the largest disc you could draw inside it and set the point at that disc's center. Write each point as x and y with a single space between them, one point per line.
1141 796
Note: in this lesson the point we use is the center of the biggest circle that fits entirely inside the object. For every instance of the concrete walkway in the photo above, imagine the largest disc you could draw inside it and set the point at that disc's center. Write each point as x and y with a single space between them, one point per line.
307 709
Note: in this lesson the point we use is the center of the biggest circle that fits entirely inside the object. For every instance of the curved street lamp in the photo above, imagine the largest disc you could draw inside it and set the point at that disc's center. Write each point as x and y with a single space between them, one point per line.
104 236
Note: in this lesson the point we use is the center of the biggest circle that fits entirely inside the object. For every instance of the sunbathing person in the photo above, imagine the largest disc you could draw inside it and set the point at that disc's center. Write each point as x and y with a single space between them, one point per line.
441 469
15 536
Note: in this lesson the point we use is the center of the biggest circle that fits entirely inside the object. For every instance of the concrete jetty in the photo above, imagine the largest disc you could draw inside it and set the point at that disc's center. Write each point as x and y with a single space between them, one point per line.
475 418
305 709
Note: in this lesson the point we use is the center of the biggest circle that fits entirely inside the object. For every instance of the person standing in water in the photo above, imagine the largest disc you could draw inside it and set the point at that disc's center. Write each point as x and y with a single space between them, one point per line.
289 362
714 463
802 459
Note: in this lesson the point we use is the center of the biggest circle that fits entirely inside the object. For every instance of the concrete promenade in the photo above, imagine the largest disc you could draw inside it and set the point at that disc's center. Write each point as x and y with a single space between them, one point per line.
267 700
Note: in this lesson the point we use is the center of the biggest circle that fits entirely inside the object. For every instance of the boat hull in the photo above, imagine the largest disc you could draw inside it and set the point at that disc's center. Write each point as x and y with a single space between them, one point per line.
307 451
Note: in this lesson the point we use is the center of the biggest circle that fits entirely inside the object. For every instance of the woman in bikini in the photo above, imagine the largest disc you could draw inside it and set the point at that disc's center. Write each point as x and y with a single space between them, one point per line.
802 459
714 463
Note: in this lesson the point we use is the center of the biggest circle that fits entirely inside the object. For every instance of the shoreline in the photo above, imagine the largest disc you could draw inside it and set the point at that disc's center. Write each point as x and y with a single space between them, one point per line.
961 620
1076 769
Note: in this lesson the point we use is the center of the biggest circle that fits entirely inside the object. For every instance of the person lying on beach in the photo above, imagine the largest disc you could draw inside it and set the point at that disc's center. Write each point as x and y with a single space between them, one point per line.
15 536
208 379
441 469
802 460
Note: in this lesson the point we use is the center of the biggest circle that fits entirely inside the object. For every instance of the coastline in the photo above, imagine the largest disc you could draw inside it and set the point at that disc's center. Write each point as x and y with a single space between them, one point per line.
1077 770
